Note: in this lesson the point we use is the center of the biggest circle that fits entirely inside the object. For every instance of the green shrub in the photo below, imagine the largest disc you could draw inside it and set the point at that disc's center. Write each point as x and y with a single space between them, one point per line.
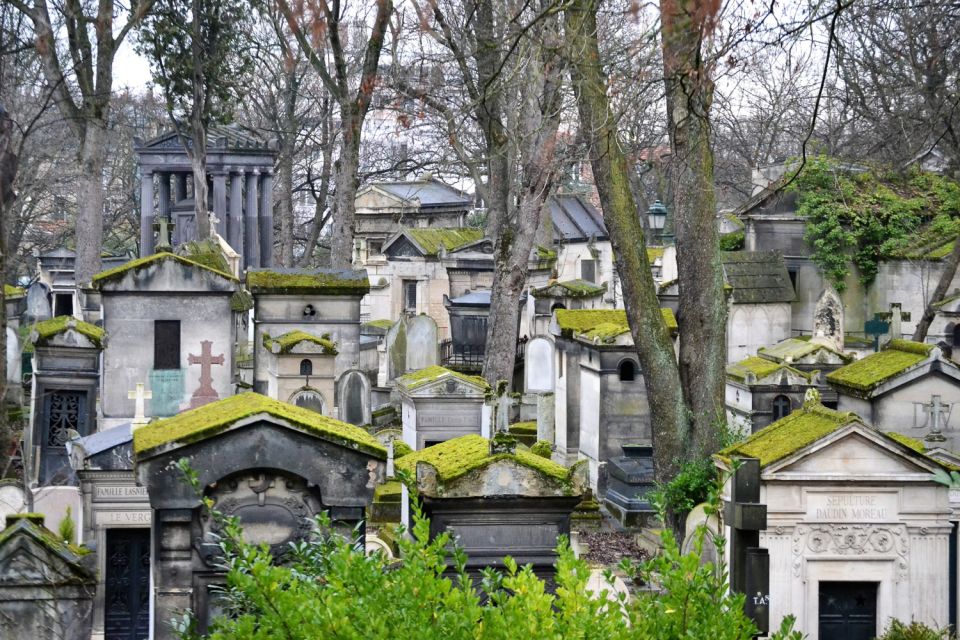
542 448
67 529
914 631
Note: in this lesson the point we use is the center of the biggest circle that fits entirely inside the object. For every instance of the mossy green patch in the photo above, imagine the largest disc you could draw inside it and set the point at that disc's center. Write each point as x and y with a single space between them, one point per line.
390 491
288 341
379 324
241 300
458 457
796 348
907 441
431 240
10 292
400 449
206 252
35 523
47 329
417 379
789 434
761 368
211 419
545 254
875 369
542 448
524 428
300 281
569 289
654 253
604 324
141 263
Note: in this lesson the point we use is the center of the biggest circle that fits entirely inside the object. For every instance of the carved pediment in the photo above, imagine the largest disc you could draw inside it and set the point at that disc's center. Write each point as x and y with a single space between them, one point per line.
403 248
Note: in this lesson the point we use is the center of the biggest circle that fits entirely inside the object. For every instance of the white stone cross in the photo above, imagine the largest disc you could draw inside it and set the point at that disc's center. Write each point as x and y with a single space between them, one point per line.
140 394
939 416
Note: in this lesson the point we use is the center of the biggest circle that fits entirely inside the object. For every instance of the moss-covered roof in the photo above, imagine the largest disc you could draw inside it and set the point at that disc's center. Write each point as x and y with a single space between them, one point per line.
459 456
431 240
603 324
546 254
9 291
241 300
318 281
788 435
43 331
139 263
417 379
286 342
198 424
526 427
870 372
379 324
907 441
389 492
796 348
32 523
569 289
761 368
653 253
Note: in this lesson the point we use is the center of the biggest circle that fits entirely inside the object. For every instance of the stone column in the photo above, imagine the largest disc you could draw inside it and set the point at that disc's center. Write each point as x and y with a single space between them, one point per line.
266 219
546 425
235 226
146 213
164 194
220 202
179 186
251 235
172 568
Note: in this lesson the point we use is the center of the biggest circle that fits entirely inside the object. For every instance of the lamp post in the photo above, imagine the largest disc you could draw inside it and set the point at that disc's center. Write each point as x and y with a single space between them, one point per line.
656 218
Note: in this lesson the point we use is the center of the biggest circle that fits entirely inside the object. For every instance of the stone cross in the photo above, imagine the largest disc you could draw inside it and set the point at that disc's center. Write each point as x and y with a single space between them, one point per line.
205 393
938 413
139 395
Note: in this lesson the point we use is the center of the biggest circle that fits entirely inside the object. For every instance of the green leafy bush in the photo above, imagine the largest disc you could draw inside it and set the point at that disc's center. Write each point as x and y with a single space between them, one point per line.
329 589
689 487
914 631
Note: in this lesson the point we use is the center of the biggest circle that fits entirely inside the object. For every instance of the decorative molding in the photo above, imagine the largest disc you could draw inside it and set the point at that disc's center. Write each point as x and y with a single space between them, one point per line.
852 541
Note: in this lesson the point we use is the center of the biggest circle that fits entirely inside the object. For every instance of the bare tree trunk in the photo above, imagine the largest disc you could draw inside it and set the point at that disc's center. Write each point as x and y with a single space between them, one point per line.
198 162
285 204
661 375
8 172
89 224
703 315
346 183
939 292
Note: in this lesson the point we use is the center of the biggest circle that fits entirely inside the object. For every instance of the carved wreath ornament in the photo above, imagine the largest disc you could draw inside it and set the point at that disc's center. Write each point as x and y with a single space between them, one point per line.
851 540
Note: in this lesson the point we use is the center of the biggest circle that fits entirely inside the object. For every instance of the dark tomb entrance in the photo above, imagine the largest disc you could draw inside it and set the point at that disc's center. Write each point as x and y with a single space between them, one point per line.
63 411
127 606
848 610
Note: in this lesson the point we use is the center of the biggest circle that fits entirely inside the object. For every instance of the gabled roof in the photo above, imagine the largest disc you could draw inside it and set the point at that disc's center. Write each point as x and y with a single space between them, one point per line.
575 219
44 331
457 457
790 434
117 273
423 377
214 418
29 527
897 357
425 193
430 240
343 282
757 277
795 349
569 289
289 341
762 369
602 324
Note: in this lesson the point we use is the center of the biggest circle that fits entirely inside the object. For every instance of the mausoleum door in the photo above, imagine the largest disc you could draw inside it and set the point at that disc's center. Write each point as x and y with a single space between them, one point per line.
126 601
63 411
848 610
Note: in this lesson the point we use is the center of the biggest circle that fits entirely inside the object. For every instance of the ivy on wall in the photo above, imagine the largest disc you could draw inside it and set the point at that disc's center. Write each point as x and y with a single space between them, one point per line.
862 217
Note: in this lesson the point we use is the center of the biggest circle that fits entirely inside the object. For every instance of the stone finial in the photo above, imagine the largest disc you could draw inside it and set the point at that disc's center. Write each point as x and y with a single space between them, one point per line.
811 398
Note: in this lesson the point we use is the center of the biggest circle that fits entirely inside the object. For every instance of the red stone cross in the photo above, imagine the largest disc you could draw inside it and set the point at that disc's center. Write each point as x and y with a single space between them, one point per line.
205 393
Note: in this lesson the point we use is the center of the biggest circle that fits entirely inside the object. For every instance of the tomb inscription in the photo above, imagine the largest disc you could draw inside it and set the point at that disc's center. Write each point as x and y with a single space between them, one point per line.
108 518
852 507
121 493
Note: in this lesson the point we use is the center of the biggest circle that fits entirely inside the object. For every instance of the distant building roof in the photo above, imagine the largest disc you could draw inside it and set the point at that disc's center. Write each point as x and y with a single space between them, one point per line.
431 239
575 219
429 192
757 277
897 357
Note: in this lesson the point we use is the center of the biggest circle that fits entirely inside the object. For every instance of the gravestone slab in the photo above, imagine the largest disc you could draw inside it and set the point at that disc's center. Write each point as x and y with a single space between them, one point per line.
12 500
38 303
13 357
167 388
422 343
353 391
828 319
538 366
396 350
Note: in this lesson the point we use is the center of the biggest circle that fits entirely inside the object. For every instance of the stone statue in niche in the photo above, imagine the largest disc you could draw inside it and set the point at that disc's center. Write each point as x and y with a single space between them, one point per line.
274 509
828 320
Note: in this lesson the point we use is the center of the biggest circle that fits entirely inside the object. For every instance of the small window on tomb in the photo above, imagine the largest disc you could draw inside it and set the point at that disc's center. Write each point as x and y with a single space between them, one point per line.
588 270
306 367
410 296
956 336
627 371
63 304
781 407
166 344
374 247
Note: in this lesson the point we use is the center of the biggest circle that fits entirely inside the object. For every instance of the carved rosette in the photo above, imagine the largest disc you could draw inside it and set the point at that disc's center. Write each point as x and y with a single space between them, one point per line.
273 508
833 540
